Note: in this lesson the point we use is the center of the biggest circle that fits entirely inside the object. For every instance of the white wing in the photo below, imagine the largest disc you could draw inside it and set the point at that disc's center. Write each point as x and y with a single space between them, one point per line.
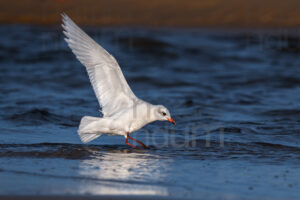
105 74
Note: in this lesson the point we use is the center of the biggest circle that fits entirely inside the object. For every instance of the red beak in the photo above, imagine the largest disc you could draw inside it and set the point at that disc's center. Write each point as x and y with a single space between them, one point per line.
172 121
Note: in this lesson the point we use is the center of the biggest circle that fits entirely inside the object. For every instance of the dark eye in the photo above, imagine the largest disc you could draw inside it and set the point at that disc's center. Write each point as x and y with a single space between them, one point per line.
163 113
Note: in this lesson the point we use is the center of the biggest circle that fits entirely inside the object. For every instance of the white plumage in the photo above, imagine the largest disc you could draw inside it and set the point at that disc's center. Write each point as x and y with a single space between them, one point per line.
122 111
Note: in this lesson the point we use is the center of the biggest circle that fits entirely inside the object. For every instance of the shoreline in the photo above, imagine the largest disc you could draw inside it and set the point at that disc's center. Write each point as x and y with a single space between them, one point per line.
189 13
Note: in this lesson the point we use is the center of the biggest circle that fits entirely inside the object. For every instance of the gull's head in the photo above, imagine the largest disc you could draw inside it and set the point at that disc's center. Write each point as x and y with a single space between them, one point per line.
163 114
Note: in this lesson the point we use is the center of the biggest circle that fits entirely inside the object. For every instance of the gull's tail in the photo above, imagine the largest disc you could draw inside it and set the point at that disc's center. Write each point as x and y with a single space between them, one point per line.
90 128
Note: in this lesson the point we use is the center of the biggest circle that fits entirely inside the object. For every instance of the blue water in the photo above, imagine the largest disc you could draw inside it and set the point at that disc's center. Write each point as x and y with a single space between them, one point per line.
233 93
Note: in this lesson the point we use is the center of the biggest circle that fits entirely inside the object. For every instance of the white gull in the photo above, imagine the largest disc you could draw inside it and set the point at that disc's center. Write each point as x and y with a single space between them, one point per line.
122 111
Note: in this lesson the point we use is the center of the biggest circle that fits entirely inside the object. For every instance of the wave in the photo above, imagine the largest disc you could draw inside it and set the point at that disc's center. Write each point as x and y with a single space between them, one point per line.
38 116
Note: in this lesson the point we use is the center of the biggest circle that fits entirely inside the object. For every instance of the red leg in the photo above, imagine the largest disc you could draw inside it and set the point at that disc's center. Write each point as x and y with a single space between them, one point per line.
141 143
126 141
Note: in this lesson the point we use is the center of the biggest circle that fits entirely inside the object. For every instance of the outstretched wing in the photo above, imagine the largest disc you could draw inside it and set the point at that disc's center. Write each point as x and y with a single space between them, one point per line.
109 84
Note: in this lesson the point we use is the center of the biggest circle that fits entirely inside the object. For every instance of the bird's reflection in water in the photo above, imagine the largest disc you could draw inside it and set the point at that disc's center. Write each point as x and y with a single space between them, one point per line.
122 172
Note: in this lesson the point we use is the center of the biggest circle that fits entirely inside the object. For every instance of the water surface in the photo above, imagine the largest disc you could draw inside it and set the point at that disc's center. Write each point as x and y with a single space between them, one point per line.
234 95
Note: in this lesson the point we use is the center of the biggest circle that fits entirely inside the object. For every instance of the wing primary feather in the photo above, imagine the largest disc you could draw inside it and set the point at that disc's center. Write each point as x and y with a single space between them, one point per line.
107 79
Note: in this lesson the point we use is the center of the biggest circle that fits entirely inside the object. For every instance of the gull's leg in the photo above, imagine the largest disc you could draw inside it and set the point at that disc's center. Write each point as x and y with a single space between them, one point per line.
126 141
141 143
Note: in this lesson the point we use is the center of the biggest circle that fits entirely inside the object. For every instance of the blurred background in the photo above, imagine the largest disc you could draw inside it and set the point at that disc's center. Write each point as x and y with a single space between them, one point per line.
169 13
228 71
